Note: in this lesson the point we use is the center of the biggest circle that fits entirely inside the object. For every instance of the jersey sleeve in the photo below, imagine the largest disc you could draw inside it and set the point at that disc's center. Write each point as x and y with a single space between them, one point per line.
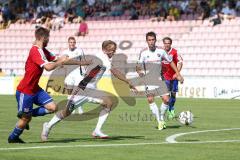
39 57
49 55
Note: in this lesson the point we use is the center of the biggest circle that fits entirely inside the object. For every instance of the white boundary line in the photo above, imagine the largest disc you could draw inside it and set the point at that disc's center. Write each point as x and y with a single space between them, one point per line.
113 145
169 140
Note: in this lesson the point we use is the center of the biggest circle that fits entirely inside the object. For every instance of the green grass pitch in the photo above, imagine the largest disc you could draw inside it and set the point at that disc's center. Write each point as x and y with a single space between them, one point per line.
133 134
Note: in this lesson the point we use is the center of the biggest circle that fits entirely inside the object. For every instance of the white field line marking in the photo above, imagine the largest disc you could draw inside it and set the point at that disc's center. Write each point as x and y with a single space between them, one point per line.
171 139
114 145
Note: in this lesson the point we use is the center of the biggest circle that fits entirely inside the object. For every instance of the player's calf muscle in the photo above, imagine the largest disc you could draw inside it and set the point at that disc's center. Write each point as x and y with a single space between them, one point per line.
107 102
52 107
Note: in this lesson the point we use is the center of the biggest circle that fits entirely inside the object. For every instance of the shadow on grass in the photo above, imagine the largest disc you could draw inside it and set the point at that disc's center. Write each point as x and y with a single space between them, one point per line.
90 139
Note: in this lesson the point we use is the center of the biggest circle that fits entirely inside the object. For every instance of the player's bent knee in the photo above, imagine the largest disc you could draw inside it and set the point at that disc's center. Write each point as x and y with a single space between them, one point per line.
165 99
26 118
107 102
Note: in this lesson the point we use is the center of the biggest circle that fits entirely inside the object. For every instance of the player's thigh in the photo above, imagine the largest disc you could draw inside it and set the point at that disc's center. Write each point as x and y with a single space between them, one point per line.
174 86
24 104
42 98
168 84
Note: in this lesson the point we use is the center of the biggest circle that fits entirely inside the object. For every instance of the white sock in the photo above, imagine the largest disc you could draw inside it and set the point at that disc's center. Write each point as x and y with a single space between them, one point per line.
155 110
53 121
102 118
163 110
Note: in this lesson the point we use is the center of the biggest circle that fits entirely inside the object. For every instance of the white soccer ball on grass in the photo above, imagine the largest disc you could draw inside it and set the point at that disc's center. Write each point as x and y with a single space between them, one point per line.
185 117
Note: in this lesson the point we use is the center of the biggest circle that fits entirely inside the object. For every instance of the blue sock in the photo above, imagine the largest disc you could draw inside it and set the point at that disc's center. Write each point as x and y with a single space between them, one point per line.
40 111
16 133
172 101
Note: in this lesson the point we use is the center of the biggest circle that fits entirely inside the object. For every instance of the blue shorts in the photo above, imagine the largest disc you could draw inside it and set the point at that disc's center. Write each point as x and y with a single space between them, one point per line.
172 85
25 101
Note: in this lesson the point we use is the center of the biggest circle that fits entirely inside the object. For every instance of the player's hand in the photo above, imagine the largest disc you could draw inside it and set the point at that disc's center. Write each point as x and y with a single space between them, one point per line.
133 88
180 78
63 59
175 76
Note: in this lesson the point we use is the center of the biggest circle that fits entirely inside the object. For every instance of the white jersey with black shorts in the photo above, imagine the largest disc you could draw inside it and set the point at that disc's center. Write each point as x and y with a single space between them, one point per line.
74 76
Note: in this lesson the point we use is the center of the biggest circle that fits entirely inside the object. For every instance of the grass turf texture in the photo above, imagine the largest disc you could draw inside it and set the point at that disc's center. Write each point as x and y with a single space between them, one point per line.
130 127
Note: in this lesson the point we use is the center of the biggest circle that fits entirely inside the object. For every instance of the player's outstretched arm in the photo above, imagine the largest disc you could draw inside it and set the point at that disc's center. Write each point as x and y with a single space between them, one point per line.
179 67
57 63
75 62
123 78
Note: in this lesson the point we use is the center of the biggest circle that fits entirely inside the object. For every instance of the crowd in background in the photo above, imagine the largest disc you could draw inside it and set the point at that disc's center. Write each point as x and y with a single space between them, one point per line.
55 13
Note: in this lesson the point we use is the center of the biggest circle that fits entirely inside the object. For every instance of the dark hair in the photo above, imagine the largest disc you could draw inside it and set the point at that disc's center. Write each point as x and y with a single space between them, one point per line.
41 32
151 34
167 38
106 43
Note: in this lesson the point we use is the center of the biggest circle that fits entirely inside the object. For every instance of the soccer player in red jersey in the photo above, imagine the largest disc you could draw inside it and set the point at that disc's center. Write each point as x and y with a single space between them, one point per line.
170 75
28 91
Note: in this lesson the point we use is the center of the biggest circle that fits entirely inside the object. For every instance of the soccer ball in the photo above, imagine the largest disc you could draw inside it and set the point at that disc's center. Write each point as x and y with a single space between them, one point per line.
185 117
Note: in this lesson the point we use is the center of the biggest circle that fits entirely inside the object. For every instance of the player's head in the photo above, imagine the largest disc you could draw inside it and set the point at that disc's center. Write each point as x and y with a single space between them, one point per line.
109 47
167 42
42 34
151 39
71 43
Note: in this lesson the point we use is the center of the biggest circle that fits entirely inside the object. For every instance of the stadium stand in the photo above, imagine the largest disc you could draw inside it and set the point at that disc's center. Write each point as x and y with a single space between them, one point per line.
207 51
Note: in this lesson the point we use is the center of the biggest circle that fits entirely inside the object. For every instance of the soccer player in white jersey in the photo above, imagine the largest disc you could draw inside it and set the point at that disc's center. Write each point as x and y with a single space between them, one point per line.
154 54
108 49
75 76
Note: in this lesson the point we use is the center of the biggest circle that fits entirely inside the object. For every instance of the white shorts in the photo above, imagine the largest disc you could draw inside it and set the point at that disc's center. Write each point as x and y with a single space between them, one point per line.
73 79
86 96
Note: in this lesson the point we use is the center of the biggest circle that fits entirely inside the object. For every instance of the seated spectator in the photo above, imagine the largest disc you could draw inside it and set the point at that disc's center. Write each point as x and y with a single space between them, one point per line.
160 14
83 29
228 11
173 13
57 22
205 10
1 20
192 7
217 19
70 15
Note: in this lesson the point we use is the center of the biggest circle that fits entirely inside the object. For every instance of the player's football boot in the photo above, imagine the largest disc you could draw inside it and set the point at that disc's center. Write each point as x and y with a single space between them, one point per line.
45 132
27 126
16 140
162 125
99 134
